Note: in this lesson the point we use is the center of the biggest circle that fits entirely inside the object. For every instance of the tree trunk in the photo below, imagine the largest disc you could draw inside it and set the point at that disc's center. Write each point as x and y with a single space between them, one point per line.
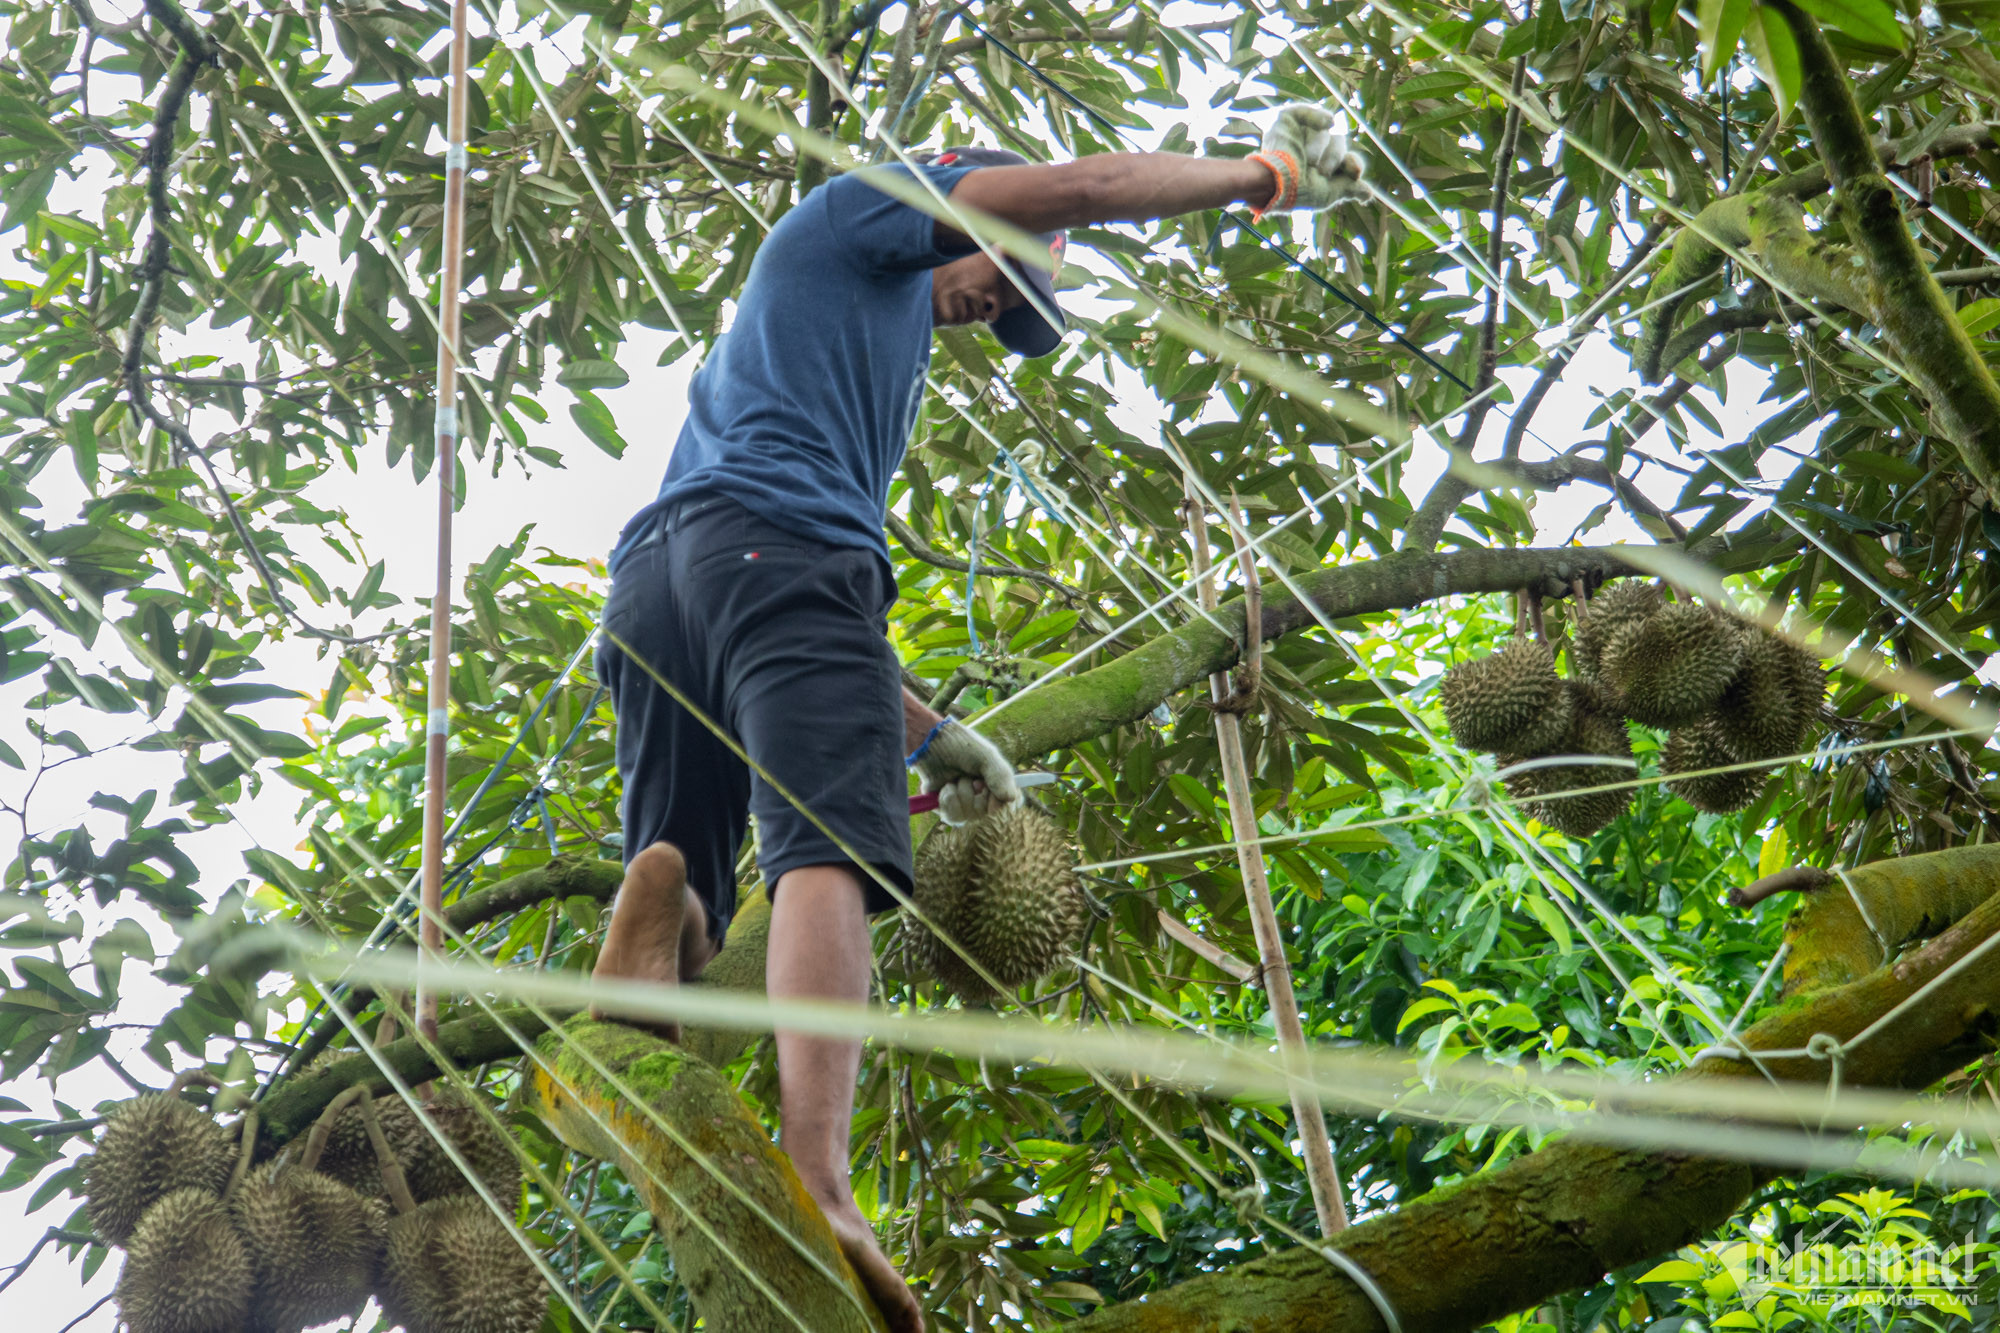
699 1176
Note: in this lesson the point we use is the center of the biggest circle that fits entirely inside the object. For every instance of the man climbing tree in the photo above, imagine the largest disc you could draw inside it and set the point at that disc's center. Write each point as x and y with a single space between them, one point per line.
749 599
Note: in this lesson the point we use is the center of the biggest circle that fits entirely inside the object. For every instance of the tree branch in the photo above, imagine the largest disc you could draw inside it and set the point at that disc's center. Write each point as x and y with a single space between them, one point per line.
293 1105
914 544
1066 712
1772 229
1098 36
1911 307
1563 1217
1531 402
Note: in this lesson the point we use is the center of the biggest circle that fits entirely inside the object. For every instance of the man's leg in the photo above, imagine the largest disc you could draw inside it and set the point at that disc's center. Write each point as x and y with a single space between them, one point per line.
819 950
658 932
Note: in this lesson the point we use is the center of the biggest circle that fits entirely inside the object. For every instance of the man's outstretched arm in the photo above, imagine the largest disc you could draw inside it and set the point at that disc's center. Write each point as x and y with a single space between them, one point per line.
1302 164
1113 187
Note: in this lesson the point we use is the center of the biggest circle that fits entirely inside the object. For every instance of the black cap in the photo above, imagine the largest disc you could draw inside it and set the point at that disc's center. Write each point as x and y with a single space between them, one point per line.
1021 330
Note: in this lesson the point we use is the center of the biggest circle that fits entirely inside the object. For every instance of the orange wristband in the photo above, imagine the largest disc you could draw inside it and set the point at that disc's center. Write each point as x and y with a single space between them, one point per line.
1285 177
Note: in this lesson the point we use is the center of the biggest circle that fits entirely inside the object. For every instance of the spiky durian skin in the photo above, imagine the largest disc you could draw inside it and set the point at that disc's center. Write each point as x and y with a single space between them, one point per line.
1512 701
942 870
1595 728
1616 605
1671 667
1004 888
1025 909
450 1267
1769 707
313 1243
432 1174
1693 748
349 1157
152 1145
186 1269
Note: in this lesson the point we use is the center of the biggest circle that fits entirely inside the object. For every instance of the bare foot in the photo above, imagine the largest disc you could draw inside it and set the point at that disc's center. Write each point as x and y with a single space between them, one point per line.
644 941
892 1295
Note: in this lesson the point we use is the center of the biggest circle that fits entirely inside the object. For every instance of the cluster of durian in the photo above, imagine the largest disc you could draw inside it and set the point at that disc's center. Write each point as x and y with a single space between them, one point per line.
1004 888
1726 692
213 1245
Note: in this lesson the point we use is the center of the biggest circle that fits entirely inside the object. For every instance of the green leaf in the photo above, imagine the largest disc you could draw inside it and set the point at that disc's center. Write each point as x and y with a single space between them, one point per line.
9 758
593 375
1980 316
1552 919
1722 23
1868 20
1777 52
594 419
1430 1004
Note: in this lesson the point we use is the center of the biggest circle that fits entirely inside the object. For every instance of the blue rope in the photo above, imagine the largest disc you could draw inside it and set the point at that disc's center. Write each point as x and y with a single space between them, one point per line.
972 566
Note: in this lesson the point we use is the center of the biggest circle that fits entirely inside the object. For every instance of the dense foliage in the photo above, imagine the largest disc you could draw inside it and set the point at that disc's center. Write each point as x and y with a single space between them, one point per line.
273 184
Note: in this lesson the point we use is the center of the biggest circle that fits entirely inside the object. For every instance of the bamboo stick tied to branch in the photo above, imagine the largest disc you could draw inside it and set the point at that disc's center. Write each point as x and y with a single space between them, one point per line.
1321 1173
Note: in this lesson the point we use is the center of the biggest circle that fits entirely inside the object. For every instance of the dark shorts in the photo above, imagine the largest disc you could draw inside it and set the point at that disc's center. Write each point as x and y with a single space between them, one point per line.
783 642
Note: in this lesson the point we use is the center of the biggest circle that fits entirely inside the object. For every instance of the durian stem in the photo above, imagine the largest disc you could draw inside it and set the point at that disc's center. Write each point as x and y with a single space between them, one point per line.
393 1179
1321 1173
188 1078
1802 878
323 1127
248 1128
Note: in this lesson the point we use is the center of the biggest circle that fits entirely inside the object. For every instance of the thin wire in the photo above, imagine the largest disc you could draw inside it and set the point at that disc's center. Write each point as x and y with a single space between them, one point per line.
1291 257
1951 223
1819 754
1482 72
1475 262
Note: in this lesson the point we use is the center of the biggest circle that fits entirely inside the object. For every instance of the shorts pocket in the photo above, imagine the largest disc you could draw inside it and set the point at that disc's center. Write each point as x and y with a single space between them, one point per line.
747 552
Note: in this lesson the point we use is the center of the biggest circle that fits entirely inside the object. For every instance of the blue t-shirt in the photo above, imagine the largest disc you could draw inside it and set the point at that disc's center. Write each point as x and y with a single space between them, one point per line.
803 410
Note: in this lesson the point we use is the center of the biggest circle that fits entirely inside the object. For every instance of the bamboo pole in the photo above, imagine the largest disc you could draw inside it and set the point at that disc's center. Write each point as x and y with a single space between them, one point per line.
1307 1115
437 724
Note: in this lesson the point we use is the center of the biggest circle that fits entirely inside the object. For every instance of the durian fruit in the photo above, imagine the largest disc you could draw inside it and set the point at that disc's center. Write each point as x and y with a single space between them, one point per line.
1025 909
1693 748
1671 667
1004 888
942 870
1769 707
1595 728
313 1244
152 1145
186 1269
450 1267
431 1173
1616 606
1510 702
350 1159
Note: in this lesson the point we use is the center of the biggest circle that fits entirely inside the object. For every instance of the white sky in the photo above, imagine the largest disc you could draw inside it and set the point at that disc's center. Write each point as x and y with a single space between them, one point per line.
576 510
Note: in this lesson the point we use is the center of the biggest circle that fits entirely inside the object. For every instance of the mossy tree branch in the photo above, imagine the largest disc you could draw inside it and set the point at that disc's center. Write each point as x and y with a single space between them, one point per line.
1911 307
1770 227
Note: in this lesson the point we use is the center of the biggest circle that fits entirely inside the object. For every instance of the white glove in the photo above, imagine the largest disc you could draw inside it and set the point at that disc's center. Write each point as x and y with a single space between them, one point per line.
969 774
1313 168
